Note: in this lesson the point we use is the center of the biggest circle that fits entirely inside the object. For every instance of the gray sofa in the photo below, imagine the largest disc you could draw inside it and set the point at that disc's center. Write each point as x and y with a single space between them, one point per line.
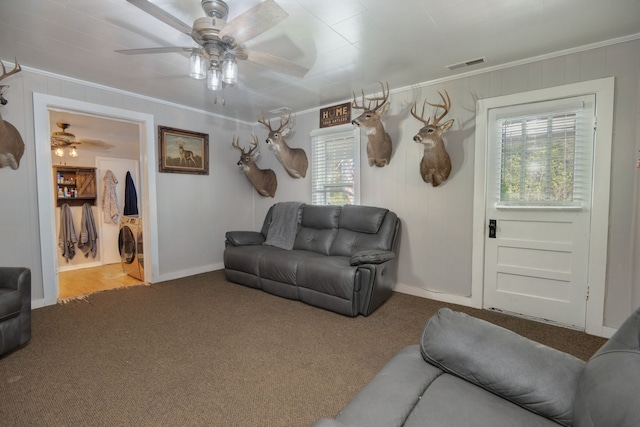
342 259
468 372
15 308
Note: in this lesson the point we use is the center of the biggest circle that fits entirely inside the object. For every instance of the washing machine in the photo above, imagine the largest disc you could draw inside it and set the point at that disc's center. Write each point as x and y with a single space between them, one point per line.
131 246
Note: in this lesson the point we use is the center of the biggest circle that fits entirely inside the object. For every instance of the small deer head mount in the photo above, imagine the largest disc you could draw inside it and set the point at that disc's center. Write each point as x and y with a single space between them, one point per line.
294 160
11 144
435 166
263 180
379 146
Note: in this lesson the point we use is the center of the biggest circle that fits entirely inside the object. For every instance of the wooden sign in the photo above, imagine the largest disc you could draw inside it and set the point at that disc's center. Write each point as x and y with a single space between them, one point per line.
336 115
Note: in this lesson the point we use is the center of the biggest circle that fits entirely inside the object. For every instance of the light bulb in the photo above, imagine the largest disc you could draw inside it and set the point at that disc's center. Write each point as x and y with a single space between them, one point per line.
229 70
73 152
197 66
214 78
59 152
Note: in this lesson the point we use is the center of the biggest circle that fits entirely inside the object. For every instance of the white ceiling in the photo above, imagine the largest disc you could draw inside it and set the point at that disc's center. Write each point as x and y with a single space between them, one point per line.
348 45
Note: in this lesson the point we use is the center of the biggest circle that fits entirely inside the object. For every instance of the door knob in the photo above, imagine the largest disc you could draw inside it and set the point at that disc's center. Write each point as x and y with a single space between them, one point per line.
492 228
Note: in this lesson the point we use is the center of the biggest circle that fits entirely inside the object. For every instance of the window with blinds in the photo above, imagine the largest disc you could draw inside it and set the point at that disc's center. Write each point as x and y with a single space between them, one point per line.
335 168
545 157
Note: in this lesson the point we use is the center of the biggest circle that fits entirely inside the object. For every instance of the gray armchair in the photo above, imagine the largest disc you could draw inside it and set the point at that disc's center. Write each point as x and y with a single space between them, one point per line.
15 308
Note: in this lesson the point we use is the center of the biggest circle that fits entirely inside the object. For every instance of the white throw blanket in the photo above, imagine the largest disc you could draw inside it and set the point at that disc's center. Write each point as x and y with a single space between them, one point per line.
110 208
284 225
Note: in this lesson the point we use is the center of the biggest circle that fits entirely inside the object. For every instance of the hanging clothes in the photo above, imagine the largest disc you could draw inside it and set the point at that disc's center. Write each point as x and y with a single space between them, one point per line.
130 196
67 235
88 233
110 209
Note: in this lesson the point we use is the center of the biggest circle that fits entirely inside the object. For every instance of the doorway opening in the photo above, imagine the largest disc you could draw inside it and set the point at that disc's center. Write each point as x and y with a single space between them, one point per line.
44 106
593 271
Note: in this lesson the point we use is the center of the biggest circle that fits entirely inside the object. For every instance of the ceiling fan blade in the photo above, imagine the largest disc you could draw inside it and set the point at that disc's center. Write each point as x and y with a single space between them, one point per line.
254 22
95 144
161 15
144 51
275 63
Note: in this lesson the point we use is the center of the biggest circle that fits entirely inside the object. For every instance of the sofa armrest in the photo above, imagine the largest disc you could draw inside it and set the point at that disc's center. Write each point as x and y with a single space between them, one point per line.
328 422
14 277
242 238
371 256
531 375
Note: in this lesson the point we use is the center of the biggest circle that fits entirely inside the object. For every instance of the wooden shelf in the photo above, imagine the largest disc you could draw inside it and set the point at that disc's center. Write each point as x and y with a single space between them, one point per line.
75 185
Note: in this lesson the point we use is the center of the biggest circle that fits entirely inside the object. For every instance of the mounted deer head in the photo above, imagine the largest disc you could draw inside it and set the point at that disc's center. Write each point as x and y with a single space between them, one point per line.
11 144
379 146
263 180
435 166
294 160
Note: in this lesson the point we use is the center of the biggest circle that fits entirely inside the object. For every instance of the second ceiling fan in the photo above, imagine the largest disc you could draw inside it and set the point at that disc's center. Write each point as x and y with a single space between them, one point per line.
220 43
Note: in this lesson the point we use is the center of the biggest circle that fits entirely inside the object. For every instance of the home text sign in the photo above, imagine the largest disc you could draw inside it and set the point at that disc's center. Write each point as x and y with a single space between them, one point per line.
336 115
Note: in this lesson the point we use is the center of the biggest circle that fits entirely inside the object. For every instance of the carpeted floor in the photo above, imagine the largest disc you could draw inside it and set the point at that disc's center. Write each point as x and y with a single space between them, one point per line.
201 351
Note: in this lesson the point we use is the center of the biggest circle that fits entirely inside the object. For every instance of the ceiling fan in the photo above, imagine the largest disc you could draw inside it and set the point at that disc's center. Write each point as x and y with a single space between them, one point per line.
220 43
62 139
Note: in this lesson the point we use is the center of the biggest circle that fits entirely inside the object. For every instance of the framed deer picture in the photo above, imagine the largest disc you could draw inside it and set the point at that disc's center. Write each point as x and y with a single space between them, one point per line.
183 151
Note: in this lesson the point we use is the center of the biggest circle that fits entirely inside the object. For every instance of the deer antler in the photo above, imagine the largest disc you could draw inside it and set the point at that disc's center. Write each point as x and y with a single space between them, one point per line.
284 121
421 117
377 99
6 74
446 105
236 145
262 120
254 143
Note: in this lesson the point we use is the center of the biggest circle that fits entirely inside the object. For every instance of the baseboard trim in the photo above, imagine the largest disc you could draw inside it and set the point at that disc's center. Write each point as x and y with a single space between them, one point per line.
189 272
466 301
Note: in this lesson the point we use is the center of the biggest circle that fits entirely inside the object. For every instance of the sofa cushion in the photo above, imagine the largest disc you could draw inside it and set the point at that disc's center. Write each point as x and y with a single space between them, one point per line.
348 242
452 401
283 266
608 390
363 219
320 216
538 378
330 275
318 229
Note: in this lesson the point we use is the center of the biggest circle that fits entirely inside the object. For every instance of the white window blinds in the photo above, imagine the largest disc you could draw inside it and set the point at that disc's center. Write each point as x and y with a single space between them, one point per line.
335 168
545 154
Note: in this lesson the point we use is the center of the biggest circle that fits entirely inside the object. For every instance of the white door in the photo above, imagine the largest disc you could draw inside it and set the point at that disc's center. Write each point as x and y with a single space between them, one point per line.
109 238
538 209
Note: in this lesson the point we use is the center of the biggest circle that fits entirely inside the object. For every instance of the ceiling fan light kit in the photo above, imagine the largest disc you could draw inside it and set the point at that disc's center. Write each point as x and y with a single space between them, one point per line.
229 70
214 77
197 66
220 42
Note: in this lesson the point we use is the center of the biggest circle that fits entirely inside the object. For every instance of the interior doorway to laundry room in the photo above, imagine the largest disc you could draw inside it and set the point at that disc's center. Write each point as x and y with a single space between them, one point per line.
112 149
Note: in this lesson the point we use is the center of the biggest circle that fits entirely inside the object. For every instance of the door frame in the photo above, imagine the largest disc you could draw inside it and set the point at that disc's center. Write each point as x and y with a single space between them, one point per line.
599 228
42 103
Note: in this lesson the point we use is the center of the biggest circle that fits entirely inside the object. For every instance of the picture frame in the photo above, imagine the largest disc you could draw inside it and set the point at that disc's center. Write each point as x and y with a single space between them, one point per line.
183 151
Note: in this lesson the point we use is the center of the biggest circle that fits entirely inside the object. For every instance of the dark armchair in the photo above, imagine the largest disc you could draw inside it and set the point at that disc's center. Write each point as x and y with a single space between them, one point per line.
15 308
